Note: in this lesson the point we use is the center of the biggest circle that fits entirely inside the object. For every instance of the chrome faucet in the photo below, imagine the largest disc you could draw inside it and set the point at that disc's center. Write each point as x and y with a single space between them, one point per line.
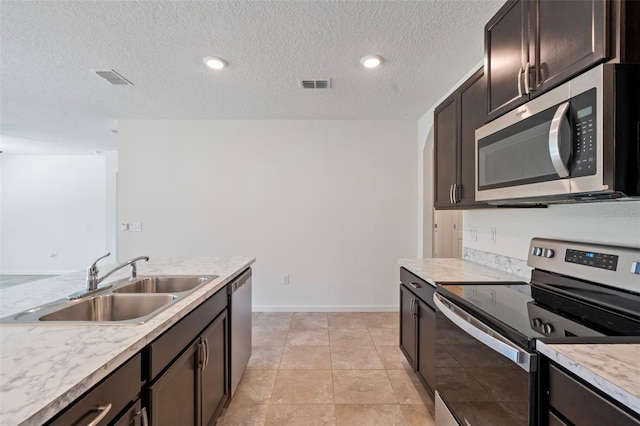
92 280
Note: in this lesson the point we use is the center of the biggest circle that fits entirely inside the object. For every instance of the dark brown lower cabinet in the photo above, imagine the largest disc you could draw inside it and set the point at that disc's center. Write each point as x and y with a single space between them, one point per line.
418 327
214 390
194 388
425 364
173 396
408 335
570 401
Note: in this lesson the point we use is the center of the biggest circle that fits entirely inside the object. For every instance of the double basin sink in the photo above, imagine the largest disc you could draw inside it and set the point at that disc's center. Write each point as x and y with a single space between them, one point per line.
127 301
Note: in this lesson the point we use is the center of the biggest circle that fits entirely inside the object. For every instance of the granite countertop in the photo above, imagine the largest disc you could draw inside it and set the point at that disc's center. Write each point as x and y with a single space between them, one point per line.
44 368
611 368
456 271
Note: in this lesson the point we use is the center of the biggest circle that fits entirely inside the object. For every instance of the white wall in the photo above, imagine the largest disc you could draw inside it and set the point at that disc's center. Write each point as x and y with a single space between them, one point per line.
51 204
616 223
111 205
331 203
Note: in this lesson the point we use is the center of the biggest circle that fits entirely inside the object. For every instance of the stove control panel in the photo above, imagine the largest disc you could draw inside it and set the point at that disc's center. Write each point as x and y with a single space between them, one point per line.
613 266
590 258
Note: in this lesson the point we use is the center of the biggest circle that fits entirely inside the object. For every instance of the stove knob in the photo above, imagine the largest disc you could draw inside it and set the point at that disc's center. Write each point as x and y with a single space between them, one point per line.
547 328
536 251
548 253
536 322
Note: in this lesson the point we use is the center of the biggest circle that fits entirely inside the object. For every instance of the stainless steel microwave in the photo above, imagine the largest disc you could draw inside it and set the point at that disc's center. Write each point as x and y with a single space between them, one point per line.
577 142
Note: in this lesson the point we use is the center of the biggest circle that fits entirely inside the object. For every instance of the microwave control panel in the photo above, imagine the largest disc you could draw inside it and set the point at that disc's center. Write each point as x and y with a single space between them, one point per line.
584 152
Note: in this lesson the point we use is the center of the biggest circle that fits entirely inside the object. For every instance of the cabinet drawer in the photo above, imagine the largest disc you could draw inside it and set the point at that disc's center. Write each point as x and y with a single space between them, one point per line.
118 389
418 286
172 342
581 405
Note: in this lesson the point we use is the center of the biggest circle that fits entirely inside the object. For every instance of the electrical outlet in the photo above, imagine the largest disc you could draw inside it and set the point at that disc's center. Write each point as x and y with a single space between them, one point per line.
124 226
473 234
285 279
493 235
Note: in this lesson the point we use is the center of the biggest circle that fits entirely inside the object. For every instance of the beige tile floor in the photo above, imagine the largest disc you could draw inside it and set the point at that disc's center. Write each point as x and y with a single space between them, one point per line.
316 369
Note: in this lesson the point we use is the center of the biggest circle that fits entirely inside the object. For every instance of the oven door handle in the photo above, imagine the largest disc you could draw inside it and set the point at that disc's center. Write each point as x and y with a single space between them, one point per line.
556 142
484 334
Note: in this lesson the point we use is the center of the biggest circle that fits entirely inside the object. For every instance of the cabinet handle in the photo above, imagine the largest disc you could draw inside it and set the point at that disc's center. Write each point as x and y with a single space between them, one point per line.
145 417
411 306
102 412
456 198
520 71
201 355
451 193
206 352
415 285
527 89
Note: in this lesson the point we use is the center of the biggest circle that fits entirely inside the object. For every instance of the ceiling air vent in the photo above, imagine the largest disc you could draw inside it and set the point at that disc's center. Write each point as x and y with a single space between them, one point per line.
113 77
316 84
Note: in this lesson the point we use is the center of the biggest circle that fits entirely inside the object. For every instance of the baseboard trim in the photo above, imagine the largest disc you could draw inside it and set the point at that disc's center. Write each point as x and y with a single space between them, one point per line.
326 308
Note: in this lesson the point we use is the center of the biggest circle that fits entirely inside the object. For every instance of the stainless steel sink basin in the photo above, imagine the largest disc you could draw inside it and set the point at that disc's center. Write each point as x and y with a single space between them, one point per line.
112 307
165 284
126 301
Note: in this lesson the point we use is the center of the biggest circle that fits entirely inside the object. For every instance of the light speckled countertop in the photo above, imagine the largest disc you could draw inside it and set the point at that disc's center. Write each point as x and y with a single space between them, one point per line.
611 368
45 368
456 271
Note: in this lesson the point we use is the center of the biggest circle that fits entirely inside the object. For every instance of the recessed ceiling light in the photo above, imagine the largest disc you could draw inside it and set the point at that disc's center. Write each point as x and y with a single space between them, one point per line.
372 61
215 62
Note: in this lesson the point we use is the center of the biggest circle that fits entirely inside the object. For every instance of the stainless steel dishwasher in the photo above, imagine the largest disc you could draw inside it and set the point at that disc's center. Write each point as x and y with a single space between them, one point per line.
240 345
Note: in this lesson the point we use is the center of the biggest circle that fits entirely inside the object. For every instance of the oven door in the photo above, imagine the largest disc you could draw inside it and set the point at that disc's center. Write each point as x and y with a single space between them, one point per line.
481 378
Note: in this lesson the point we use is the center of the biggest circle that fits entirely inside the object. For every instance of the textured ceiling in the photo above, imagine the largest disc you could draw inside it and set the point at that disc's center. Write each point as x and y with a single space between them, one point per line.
47 48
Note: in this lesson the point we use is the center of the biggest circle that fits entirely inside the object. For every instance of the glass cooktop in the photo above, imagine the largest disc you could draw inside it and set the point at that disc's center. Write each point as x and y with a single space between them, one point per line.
523 313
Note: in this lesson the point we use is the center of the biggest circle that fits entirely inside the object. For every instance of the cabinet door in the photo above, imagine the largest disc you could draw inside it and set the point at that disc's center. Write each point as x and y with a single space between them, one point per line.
473 114
214 369
173 397
445 156
426 358
571 36
506 40
407 325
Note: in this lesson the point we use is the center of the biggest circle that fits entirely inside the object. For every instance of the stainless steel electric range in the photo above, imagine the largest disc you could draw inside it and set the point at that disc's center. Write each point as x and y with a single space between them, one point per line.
486 335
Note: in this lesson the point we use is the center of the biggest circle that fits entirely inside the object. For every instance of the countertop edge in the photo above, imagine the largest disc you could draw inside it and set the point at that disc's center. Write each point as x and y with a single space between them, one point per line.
490 274
614 391
184 307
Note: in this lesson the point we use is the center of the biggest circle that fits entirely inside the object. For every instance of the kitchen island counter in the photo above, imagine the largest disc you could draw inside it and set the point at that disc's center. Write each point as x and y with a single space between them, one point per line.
44 368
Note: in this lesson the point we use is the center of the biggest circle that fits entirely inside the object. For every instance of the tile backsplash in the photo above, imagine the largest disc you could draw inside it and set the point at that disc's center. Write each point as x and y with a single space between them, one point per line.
497 261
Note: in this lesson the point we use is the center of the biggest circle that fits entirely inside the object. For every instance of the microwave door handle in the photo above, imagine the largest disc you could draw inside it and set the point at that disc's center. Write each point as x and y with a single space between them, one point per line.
555 141
480 332
520 82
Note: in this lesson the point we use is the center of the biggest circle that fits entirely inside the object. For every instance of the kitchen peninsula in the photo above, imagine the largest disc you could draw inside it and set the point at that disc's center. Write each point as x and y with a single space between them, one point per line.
43 368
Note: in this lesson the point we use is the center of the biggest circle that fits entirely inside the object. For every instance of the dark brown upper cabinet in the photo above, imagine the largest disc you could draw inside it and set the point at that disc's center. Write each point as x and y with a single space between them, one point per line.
455 122
532 46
